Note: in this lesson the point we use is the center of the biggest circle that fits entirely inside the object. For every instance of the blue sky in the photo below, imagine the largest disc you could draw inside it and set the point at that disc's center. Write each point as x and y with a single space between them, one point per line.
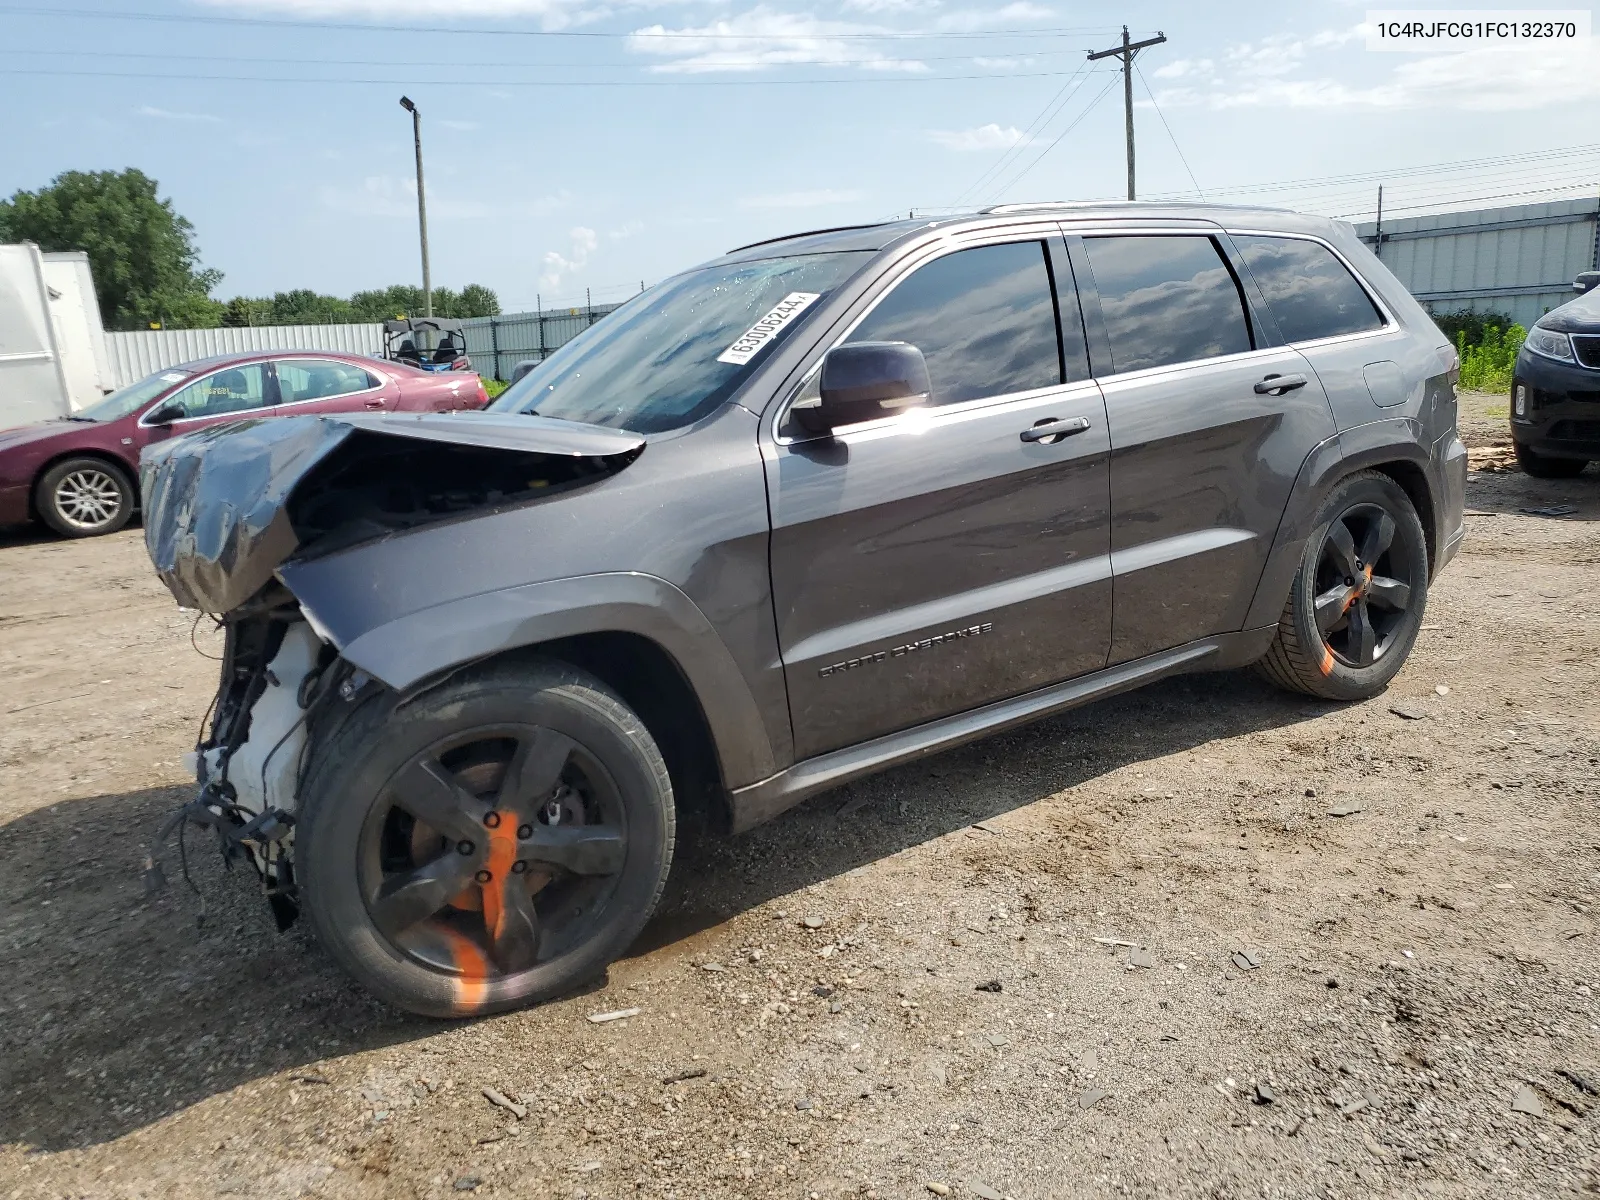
577 144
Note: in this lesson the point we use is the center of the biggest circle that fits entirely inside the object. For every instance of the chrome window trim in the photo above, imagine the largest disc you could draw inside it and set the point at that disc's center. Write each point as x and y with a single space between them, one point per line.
282 403
1390 323
1188 364
918 420
940 247
189 383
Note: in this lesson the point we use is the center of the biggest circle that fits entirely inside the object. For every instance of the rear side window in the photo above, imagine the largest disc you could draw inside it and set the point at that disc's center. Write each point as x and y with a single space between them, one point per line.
984 319
1310 292
318 379
1166 300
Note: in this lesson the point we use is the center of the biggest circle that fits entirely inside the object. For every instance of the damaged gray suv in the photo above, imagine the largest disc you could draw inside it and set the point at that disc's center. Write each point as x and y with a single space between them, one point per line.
823 505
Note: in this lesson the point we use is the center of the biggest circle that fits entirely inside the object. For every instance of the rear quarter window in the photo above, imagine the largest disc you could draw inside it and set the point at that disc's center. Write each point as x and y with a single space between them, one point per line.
1310 292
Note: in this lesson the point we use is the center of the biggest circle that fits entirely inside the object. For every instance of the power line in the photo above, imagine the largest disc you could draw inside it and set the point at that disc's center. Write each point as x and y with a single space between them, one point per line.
1170 134
1392 173
168 56
1071 125
376 27
1587 186
1031 133
412 81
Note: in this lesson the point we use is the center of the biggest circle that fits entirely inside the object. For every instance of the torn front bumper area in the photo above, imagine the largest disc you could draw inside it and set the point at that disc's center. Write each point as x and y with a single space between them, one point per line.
226 507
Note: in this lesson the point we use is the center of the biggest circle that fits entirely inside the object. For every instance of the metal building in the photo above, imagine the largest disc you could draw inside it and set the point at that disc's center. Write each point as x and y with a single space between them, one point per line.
1519 260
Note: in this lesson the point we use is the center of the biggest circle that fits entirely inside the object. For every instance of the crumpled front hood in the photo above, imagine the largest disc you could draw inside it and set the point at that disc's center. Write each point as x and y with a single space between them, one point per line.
224 506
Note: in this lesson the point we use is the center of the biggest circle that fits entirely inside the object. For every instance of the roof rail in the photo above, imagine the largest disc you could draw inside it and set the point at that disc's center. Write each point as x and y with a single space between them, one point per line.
808 233
1034 205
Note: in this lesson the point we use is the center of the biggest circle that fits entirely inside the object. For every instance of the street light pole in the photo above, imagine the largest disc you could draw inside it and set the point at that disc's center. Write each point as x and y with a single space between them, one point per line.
422 206
1125 52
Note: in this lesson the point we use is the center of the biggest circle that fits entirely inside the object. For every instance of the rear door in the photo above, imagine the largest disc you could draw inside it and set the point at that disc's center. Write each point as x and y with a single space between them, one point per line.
309 385
929 563
1210 422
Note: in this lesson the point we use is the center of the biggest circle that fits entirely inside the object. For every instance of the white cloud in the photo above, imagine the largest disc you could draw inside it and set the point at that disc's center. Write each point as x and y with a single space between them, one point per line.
895 6
552 13
815 199
557 265
1020 12
760 39
1279 72
458 126
162 114
984 137
625 231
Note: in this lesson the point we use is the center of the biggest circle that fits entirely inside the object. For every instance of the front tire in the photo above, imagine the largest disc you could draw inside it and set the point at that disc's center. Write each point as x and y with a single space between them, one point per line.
495 842
84 497
1357 600
1541 466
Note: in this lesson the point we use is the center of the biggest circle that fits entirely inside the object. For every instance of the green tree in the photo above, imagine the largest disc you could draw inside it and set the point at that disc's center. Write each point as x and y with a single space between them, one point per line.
145 262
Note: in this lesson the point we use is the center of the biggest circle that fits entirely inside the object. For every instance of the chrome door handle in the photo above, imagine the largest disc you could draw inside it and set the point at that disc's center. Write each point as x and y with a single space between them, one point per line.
1277 385
1054 428
374 404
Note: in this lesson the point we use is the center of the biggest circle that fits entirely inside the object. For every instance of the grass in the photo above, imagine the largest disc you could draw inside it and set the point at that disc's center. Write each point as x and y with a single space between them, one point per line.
494 386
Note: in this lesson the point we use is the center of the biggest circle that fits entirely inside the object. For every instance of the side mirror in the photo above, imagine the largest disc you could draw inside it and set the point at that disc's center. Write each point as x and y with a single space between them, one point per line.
864 381
165 414
522 368
1586 281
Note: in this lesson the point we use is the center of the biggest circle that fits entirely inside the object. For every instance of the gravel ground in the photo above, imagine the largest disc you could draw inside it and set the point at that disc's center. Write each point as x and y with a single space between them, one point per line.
1206 939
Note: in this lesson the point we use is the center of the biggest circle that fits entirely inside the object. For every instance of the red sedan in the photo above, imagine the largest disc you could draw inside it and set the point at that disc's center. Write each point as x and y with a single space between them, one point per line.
79 474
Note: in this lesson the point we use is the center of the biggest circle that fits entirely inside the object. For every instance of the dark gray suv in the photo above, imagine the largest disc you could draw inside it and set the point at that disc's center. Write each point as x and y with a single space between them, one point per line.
823 505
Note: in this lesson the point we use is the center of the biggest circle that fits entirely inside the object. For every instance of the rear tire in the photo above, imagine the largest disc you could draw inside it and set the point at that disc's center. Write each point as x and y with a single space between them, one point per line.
1357 600
1542 466
453 897
84 497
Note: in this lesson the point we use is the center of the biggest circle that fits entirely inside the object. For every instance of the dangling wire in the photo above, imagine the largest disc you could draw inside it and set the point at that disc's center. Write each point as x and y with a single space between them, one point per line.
198 618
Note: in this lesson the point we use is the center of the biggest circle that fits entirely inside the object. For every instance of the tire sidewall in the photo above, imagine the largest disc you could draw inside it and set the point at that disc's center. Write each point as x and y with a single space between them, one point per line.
1343 681
340 797
45 502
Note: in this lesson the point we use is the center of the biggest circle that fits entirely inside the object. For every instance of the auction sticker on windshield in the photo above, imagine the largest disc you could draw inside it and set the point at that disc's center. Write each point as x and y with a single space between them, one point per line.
748 344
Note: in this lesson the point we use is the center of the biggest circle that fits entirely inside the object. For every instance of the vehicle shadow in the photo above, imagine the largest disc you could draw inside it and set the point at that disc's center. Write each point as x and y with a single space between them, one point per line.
25 535
116 1010
1513 493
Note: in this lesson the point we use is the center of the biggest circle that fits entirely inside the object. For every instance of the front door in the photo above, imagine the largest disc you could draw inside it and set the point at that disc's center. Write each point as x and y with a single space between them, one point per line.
933 562
230 394
1205 446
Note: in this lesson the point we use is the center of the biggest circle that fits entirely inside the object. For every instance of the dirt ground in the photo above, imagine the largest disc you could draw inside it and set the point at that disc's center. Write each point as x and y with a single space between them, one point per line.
1335 1005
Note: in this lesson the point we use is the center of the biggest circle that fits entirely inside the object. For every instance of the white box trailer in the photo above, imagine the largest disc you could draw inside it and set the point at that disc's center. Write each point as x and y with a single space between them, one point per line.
52 346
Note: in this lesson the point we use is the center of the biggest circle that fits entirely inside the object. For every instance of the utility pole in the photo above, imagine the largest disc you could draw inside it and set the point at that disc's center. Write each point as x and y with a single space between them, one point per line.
1377 233
422 206
1125 52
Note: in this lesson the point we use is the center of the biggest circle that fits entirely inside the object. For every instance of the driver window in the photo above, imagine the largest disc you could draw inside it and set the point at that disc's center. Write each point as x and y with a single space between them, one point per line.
984 319
234 390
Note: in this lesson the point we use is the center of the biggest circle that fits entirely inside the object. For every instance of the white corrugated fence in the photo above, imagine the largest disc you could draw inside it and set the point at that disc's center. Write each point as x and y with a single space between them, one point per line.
144 352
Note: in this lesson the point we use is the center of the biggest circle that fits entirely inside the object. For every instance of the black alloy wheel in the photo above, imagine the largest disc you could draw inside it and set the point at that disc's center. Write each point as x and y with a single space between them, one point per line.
1362 590
487 851
1357 601
495 841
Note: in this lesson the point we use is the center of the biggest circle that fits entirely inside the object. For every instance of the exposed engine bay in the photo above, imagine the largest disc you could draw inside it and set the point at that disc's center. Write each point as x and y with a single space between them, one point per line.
227 506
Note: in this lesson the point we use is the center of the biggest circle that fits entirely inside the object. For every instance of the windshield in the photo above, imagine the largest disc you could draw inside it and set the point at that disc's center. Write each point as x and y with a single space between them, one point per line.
671 355
131 398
